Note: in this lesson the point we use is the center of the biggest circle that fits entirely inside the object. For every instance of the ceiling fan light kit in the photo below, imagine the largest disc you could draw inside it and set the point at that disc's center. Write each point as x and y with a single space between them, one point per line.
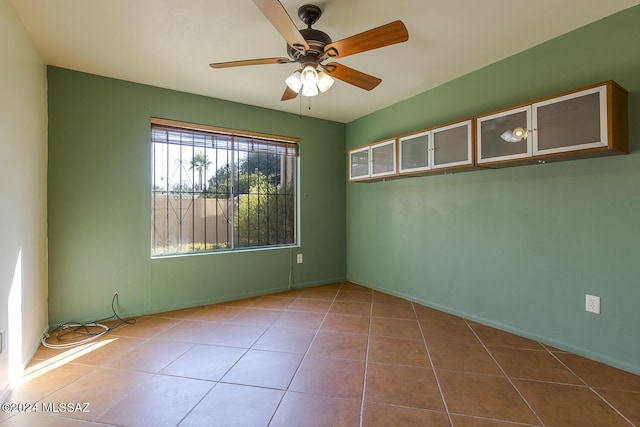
310 48
516 135
310 81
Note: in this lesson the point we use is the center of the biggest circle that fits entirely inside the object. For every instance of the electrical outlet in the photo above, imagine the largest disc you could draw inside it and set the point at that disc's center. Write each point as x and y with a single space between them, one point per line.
299 258
592 304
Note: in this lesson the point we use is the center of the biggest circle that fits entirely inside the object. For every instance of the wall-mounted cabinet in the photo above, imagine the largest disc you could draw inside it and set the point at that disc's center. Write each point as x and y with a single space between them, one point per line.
374 161
584 123
436 149
588 122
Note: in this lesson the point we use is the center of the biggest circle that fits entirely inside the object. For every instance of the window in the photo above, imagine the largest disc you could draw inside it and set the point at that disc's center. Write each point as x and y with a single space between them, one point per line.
216 189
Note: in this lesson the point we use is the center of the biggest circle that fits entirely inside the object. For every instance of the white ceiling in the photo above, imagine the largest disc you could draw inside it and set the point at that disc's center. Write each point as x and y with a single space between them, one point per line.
169 43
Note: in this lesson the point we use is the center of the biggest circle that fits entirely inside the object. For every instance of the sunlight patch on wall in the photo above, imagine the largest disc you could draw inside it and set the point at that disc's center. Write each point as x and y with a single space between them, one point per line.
14 336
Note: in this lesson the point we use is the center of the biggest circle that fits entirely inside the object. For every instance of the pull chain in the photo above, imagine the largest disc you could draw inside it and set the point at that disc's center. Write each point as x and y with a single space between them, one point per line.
300 105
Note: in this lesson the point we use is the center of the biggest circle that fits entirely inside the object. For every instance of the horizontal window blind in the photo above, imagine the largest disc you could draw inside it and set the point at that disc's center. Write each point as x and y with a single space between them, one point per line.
219 138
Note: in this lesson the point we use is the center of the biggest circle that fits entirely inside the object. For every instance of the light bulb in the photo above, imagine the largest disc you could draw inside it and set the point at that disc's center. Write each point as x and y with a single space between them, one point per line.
519 133
515 135
309 75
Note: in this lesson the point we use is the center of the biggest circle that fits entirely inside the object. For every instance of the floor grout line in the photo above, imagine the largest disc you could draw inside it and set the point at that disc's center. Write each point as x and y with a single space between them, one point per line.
504 373
588 385
304 356
366 364
610 405
433 368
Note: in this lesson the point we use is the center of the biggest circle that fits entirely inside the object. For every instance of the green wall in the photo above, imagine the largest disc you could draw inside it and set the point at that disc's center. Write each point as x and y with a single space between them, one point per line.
99 184
516 248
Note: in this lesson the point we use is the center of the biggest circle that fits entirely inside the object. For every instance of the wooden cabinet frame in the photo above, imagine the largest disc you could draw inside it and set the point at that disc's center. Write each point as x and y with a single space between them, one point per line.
428 163
613 124
611 116
368 152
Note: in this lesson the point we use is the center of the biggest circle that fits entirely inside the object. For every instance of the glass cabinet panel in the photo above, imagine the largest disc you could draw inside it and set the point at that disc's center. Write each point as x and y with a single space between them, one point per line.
359 163
414 152
383 158
452 145
572 122
504 136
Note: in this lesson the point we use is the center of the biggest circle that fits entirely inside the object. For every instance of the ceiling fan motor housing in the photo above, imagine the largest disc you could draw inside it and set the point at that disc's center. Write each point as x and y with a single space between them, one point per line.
316 40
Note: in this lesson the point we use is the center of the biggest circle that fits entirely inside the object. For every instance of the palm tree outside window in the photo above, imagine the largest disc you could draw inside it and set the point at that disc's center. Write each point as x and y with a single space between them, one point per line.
200 163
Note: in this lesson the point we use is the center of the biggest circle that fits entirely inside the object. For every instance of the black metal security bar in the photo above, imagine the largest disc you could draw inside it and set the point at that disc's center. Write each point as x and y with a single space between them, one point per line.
217 190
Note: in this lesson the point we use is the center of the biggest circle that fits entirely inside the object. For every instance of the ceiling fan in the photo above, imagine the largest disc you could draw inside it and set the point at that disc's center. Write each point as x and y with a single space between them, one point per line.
312 48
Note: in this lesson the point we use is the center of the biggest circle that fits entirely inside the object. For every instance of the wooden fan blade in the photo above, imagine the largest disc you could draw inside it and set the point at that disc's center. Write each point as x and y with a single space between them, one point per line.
250 62
351 76
280 19
385 35
288 94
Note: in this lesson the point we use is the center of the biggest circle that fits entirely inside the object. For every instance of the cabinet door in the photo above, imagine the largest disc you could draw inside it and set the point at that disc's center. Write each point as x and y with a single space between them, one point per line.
504 136
572 122
383 158
452 145
414 152
359 164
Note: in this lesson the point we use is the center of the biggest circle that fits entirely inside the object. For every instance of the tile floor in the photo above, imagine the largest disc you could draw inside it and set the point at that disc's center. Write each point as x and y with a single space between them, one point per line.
332 355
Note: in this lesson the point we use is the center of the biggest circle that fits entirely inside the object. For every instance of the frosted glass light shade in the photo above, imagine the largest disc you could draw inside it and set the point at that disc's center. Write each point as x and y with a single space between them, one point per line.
294 82
324 81
309 90
309 82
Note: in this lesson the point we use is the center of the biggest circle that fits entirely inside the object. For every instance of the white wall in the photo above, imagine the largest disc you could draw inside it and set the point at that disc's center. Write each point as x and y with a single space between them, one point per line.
23 191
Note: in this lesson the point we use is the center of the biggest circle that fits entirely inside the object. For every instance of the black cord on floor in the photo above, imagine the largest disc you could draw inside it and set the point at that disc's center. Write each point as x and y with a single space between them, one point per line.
120 321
